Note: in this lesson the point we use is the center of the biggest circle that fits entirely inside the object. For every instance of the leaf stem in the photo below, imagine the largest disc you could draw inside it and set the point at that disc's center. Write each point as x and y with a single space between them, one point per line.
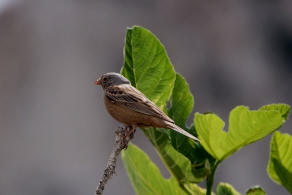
210 178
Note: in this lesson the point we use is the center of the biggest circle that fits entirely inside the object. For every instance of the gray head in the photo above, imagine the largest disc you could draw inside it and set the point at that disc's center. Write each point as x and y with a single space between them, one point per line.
111 78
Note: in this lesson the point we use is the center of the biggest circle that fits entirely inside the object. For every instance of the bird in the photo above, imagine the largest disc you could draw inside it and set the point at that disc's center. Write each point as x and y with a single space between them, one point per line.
131 107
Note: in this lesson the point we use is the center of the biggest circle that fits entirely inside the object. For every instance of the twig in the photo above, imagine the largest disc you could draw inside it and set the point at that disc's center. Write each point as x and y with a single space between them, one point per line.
120 143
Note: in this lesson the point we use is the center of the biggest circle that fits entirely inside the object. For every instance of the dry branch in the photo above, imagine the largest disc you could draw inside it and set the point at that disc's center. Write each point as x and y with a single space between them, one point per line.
121 142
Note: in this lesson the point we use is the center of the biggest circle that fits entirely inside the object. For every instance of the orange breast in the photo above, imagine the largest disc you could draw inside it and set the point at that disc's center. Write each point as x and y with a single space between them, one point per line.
129 117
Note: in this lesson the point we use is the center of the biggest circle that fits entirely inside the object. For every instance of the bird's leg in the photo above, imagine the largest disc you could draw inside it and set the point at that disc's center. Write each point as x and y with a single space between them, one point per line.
131 136
130 130
130 133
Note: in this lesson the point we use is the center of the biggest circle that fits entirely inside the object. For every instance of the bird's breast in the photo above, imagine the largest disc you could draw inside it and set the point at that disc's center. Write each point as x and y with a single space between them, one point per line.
128 116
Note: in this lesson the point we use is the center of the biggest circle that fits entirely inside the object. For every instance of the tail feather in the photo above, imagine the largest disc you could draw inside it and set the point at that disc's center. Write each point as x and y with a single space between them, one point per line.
180 130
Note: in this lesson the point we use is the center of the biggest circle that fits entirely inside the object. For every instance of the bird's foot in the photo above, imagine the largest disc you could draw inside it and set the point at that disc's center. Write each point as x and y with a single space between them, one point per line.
129 134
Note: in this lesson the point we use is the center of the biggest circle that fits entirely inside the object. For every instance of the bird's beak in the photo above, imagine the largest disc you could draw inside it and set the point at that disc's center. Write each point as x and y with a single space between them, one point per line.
98 82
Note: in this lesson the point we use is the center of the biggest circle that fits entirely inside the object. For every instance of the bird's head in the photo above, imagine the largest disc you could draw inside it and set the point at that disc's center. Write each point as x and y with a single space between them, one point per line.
110 79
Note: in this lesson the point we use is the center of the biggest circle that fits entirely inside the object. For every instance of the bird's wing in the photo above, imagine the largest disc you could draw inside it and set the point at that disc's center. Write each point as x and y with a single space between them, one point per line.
133 99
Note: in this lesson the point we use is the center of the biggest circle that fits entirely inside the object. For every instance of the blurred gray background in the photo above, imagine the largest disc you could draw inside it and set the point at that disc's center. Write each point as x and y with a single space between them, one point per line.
55 135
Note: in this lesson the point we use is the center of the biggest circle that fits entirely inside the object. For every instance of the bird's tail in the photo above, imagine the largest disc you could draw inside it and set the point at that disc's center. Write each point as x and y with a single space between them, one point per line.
180 130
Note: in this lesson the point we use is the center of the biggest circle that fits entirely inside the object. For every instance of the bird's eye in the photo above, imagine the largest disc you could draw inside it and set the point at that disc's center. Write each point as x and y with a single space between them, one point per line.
105 79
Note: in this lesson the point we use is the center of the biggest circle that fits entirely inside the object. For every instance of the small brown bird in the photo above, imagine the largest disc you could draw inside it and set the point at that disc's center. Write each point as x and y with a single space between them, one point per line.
131 107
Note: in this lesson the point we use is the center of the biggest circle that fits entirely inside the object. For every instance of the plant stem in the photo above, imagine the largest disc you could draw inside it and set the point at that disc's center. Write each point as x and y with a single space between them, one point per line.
210 178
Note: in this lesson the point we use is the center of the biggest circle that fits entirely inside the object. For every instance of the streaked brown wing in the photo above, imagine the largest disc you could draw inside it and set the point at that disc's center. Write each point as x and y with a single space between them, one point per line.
132 98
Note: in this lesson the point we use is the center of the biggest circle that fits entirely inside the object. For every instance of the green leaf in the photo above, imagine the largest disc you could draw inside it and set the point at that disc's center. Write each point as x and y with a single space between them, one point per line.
179 166
280 163
284 109
145 176
147 65
182 101
256 190
245 127
149 69
195 189
128 68
226 189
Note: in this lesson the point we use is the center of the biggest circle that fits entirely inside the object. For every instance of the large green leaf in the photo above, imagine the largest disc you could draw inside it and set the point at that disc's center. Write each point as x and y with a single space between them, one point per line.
182 102
147 65
149 69
280 163
145 176
179 166
245 127
226 189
